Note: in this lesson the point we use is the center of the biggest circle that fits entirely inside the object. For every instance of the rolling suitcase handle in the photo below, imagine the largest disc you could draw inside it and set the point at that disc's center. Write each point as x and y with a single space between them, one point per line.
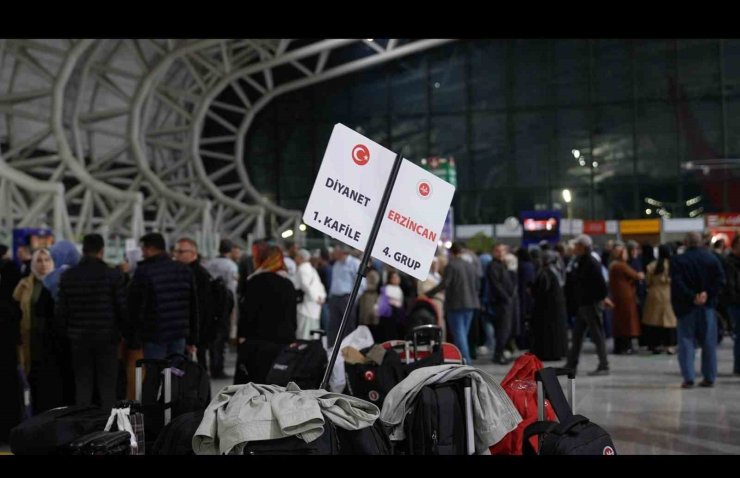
469 427
434 330
167 384
541 390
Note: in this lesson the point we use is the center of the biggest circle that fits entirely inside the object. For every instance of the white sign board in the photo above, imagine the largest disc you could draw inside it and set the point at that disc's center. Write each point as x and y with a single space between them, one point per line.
683 225
612 227
413 221
347 193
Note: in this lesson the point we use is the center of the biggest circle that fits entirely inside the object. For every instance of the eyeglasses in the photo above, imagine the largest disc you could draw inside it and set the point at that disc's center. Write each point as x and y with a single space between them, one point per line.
183 251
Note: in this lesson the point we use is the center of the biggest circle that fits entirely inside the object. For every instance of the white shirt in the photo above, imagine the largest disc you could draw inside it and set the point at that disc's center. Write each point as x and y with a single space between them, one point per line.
226 269
308 280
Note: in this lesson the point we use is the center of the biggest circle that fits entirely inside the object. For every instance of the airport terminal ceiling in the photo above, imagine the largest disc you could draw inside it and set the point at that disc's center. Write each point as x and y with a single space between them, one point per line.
227 135
112 132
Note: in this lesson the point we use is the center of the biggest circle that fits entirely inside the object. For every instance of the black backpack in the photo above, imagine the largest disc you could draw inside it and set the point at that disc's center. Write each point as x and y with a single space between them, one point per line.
436 423
302 362
573 435
191 391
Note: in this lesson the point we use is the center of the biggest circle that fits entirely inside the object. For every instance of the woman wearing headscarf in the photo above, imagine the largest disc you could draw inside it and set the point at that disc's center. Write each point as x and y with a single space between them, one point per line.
64 254
659 320
549 317
622 279
36 352
267 318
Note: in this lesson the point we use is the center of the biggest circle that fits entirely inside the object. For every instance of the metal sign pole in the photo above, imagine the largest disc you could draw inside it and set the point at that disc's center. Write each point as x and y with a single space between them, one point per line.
363 266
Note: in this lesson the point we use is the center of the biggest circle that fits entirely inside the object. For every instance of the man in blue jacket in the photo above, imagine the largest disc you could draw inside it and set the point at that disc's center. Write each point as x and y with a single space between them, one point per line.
162 303
697 277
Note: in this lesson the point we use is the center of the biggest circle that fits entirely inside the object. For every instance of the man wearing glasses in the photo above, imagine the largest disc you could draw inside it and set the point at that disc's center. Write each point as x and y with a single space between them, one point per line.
186 252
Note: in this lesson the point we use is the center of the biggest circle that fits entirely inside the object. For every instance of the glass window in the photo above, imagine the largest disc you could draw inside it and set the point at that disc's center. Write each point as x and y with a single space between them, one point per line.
410 135
532 72
489 151
488 74
698 67
409 86
701 137
654 66
570 71
571 155
532 148
612 70
369 93
657 153
613 147
447 78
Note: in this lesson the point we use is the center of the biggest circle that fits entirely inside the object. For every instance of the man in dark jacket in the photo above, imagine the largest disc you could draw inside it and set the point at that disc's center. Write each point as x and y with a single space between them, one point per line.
501 292
11 401
589 291
697 277
460 283
186 252
91 311
162 304
732 295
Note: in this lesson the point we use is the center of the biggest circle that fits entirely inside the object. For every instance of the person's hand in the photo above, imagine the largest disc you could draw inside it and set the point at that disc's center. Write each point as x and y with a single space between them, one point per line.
241 340
700 298
608 302
641 275
191 349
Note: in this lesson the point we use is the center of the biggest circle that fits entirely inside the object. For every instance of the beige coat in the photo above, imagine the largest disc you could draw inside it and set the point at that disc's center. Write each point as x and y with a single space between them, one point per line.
23 294
658 311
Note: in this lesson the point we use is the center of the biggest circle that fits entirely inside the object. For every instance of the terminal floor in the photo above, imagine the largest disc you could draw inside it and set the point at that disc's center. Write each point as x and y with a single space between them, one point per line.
642 404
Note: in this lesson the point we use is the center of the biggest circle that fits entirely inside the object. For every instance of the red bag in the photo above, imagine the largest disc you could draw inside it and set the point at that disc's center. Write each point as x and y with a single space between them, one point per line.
521 388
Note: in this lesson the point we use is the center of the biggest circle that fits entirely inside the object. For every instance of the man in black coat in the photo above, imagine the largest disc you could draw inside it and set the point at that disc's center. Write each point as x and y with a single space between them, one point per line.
162 304
697 277
731 296
11 400
186 252
502 289
589 292
91 311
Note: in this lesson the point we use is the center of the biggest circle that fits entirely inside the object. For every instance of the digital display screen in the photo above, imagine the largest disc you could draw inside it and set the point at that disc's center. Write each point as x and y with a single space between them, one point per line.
544 225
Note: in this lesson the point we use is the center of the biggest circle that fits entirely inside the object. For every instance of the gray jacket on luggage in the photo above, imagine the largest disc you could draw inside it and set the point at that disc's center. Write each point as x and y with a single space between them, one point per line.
494 415
243 413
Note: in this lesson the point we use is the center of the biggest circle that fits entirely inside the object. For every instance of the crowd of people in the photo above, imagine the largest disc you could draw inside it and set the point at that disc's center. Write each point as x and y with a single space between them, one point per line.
68 320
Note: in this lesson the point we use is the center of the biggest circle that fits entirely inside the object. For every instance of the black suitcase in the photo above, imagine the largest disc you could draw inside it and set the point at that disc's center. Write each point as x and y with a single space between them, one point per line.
51 431
102 443
169 388
440 421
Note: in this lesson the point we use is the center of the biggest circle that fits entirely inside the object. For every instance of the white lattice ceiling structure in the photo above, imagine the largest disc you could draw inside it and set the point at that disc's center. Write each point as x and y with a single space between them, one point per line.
109 134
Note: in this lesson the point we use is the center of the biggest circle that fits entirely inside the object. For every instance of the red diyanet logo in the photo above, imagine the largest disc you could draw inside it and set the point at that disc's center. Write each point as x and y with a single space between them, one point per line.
608 450
360 155
424 190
